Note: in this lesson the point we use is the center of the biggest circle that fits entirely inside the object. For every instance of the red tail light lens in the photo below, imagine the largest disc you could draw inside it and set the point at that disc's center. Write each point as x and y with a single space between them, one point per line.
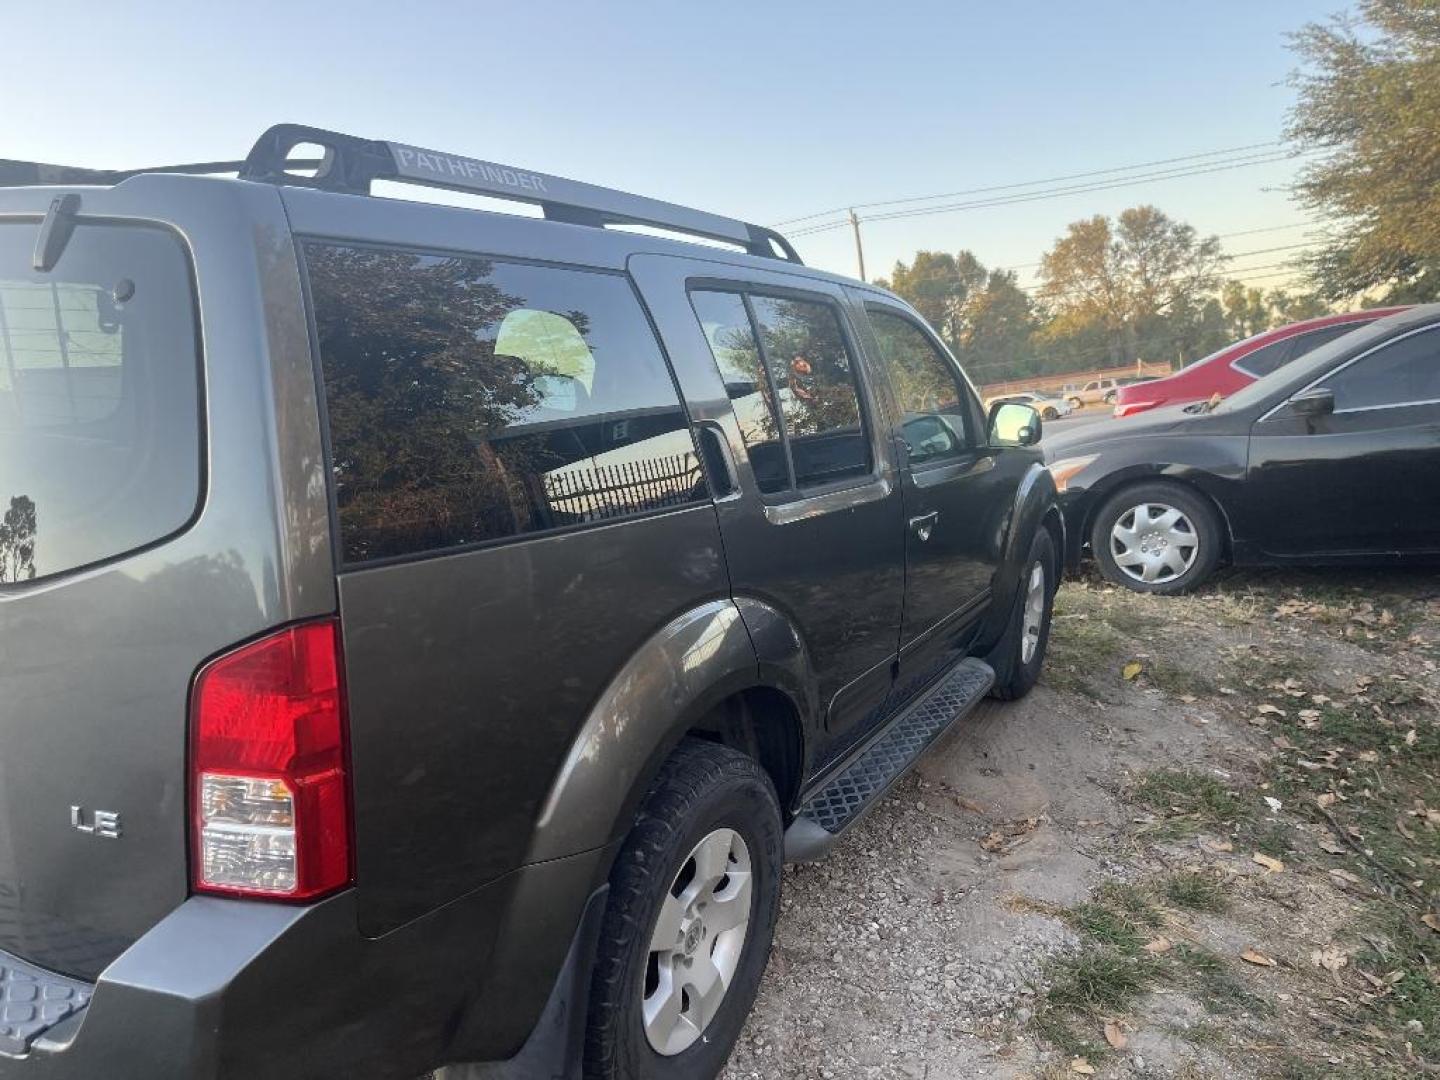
270 798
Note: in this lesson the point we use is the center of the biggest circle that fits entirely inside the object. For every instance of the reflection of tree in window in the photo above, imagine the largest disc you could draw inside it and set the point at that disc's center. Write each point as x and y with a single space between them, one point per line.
17 541
809 364
461 410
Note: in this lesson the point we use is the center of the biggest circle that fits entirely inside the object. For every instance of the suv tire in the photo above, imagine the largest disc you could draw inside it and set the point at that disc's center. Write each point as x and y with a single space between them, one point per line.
708 805
1020 653
1158 530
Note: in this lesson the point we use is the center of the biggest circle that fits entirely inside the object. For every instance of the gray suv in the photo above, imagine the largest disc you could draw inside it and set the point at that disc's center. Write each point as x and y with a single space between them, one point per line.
425 633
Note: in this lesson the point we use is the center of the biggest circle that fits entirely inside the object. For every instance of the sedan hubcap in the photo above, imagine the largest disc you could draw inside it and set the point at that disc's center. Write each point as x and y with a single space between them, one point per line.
1034 613
696 945
1154 542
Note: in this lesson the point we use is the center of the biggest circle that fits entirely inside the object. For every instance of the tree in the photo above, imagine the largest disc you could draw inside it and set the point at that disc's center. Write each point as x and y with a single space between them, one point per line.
1125 281
937 284
983 315
1369 98
1246 312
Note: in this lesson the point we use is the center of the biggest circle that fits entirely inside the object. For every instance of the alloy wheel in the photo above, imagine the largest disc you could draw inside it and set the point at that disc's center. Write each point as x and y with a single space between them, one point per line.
697 942
1034 613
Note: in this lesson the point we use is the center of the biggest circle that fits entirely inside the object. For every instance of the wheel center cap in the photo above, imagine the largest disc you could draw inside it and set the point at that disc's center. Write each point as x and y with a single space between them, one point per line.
1153 543
691 939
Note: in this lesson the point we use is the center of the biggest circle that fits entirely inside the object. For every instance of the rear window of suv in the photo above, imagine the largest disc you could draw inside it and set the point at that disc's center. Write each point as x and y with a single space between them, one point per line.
99 397
473 400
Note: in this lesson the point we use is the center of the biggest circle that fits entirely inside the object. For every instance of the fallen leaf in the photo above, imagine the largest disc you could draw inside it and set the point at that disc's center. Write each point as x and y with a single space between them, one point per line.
1115 1037
1158 946
969 804
1272 865
1326 800
1334 847
1220 846
1259 959
1274 803
1081 1067
1402 829
1270 710
1346 876
1411 736
1431 920
1131 671
1331 958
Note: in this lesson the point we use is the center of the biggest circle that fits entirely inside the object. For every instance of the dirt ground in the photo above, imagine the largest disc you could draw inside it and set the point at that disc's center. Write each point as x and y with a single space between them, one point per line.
1208 845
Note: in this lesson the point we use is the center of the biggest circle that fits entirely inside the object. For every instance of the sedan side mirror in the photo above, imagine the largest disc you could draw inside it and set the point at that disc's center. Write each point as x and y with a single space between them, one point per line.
1317 401
1013 424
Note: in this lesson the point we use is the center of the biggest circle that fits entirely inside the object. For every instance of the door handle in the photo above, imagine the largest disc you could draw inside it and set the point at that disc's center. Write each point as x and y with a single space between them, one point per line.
924 525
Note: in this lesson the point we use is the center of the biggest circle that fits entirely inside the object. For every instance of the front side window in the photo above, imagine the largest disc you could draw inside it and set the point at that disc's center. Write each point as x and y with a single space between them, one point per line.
933 415
99 397
473 400
1405 372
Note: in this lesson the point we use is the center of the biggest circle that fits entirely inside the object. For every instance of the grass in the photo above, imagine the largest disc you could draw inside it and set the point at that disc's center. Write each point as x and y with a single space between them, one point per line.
1196 891
1189 801
1099 982
1400 942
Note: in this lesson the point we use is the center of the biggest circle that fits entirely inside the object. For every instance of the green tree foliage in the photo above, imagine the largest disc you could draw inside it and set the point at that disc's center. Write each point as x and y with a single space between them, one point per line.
983 315
1133 284
17 540
1369 96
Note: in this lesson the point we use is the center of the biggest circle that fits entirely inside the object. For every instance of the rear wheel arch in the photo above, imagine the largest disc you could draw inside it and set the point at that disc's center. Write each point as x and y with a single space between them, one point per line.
763 723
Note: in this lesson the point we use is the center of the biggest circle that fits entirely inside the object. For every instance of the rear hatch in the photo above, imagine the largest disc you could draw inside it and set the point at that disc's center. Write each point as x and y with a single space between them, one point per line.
102 623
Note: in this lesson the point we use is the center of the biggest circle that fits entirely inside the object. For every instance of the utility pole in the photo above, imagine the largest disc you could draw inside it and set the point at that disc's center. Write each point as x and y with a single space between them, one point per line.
859 249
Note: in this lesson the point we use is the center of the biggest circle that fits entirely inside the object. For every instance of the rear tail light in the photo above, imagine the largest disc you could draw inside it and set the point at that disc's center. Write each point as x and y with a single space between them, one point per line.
270 797
1129 408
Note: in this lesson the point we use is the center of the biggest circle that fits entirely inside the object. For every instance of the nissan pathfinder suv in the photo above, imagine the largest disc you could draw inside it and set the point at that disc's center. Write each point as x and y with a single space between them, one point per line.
425 632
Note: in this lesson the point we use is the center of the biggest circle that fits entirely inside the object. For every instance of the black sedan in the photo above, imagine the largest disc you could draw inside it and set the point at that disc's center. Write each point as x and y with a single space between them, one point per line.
1334 458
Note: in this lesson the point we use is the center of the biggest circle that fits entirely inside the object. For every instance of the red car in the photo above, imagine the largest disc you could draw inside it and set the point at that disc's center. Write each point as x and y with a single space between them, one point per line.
1238 365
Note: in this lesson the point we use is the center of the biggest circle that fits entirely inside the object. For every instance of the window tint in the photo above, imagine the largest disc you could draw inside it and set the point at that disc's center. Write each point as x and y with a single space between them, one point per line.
813 379
1405 372
1266 359
99 398
473 400
933 414
1308 342
737 354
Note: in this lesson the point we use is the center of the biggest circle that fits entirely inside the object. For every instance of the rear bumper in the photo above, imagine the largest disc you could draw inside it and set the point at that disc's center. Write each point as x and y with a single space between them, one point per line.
225 988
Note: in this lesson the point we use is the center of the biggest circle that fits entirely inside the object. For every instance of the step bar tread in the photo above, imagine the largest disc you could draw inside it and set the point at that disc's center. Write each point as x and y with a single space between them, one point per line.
839 802
32 1000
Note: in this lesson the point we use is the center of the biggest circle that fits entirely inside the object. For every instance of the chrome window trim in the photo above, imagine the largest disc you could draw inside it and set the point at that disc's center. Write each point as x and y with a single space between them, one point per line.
1428 328
829 502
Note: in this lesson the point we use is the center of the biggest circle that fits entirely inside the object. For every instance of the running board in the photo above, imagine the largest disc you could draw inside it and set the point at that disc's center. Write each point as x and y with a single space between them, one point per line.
848 794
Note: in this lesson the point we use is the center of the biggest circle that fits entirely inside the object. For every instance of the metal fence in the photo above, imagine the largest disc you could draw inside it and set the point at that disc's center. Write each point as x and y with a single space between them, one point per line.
607 491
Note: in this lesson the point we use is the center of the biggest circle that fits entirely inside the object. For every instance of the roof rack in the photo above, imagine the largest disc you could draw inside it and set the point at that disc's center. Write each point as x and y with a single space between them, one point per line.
351 164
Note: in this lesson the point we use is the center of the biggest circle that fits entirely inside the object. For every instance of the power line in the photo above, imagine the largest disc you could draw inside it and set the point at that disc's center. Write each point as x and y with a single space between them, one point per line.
1030 183
1052 193
1218 236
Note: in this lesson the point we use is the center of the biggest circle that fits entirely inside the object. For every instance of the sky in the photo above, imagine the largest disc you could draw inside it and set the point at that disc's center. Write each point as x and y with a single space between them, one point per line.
763 111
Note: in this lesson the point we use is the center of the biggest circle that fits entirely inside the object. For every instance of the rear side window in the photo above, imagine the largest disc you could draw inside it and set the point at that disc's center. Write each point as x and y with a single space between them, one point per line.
474 400
726 323
805 394
1266 359
99 398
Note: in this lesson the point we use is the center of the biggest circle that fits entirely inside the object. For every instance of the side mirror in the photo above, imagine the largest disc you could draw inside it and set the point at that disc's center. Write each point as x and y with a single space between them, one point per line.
1013 424
1317 401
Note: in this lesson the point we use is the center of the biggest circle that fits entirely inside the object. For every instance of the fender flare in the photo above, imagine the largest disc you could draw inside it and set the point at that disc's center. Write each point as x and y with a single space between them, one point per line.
1035 500
681 672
